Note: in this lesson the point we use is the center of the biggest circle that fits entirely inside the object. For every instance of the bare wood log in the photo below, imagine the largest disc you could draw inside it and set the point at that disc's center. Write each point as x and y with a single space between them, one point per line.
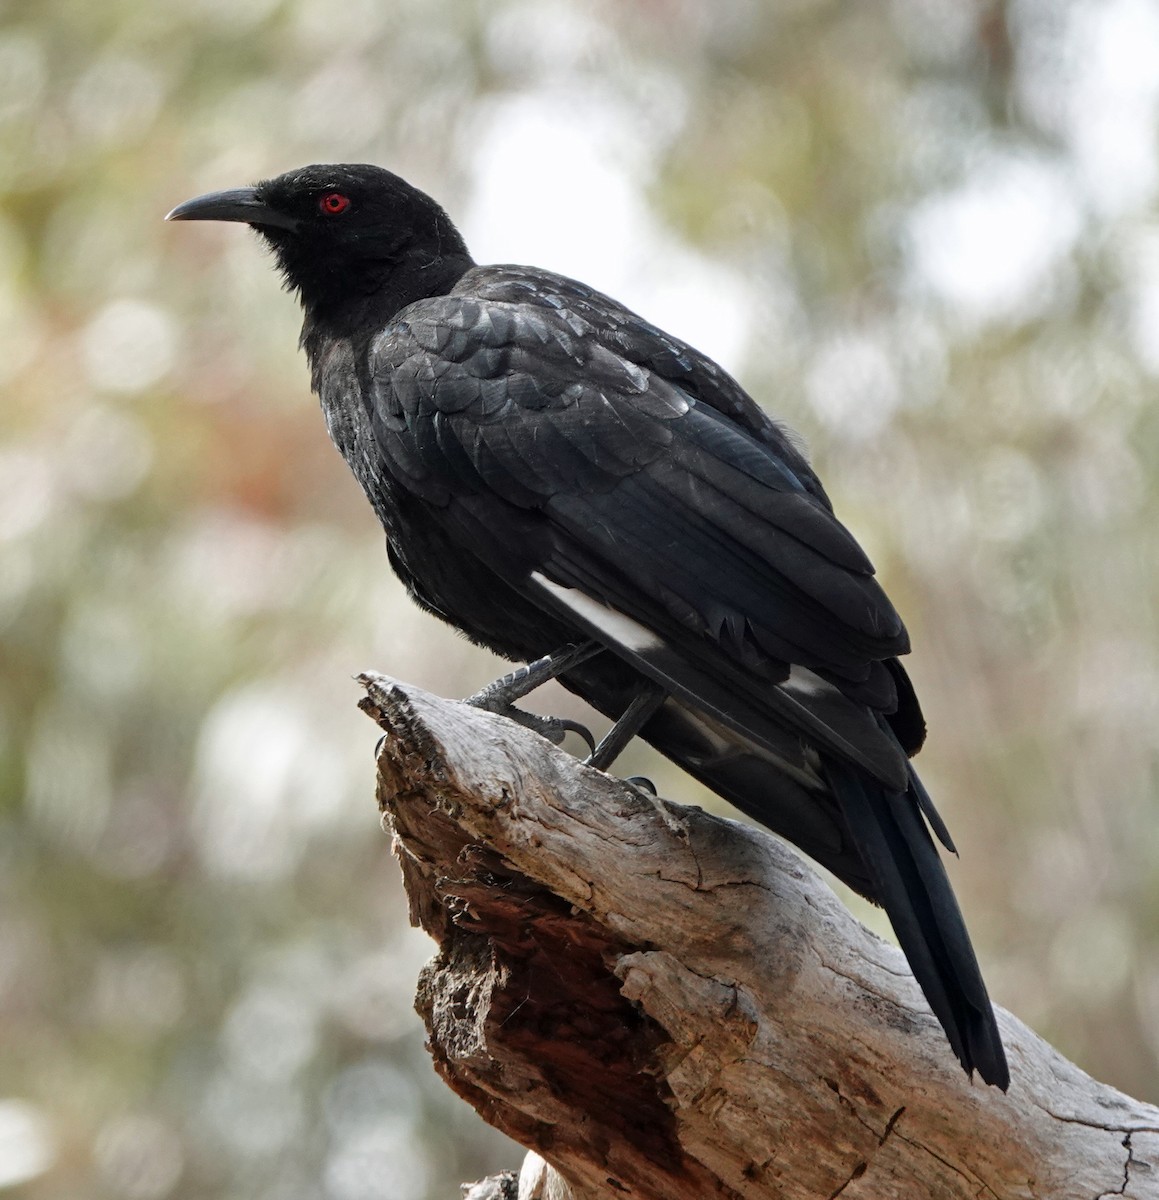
663 1003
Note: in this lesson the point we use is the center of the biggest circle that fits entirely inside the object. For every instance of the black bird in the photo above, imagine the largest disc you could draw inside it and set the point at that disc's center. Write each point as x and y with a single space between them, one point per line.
565 482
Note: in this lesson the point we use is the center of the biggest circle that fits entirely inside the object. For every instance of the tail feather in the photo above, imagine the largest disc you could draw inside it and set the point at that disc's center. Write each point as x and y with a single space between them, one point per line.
915 892
918 790
872 836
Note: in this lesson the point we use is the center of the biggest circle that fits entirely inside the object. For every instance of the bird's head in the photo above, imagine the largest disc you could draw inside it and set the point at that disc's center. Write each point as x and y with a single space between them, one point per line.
345 235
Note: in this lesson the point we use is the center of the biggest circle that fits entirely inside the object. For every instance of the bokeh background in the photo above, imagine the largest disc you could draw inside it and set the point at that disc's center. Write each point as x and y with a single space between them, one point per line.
923 232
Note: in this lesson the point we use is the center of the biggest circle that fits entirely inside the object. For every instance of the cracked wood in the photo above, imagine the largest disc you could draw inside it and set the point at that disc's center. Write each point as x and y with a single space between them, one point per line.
665 1003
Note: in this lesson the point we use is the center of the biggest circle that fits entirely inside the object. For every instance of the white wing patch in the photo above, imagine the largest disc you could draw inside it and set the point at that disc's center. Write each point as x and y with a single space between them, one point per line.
805 683
612 624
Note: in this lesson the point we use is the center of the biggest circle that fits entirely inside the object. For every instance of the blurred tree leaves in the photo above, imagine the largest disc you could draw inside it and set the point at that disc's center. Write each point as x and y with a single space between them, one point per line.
921 231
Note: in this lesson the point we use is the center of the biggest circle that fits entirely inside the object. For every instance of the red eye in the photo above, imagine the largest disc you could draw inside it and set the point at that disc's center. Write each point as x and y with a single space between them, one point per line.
334 203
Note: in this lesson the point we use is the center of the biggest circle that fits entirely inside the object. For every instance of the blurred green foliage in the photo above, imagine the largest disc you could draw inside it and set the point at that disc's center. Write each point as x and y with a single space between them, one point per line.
921 231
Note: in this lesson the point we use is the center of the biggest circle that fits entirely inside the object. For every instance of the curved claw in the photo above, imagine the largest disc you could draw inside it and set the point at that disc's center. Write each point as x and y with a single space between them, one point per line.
555 729
575 727
643 783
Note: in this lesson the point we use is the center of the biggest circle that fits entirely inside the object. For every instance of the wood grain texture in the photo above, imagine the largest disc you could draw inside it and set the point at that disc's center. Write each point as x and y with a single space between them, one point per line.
664 1003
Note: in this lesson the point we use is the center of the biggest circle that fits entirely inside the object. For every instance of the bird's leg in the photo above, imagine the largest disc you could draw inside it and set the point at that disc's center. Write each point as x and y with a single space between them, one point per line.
631 721
500 696
497 697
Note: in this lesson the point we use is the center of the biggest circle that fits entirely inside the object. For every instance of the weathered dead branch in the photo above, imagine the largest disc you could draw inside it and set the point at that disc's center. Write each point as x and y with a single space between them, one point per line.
662 1003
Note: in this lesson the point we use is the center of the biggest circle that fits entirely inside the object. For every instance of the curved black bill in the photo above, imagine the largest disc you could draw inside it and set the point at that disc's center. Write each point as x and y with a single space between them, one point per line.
240 204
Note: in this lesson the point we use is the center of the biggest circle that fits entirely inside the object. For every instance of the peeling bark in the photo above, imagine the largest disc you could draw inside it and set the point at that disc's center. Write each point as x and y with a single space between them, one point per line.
663 1003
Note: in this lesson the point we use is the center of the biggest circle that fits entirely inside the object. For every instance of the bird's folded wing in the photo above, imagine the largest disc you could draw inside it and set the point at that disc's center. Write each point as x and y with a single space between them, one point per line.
661 525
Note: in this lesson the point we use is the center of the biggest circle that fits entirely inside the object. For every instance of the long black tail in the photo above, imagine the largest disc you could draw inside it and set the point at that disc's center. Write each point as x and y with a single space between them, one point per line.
912 887
875 840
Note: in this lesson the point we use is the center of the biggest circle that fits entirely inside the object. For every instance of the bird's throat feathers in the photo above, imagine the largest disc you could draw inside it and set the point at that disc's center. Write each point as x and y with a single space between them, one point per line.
362 285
